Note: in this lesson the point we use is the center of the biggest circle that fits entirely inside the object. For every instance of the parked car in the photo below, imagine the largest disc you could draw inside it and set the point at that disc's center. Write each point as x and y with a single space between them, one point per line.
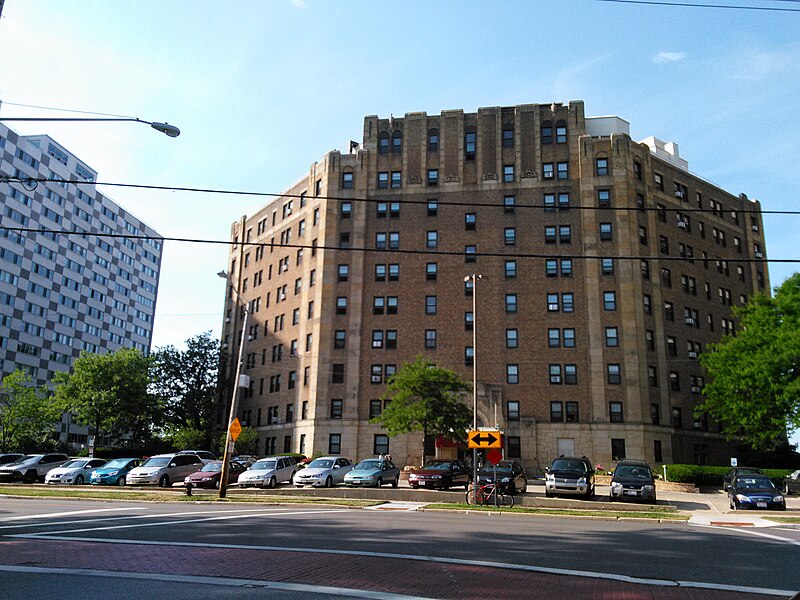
9 458
570 475
165 469
114 472
633 479
76 471
324 471
755 491
441 474
373 472
31 467
269 472
245 459
204 455
734 472
211 474
511 476
791 483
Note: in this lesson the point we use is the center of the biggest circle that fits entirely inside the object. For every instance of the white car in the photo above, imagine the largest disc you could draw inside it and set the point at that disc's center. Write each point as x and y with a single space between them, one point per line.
165 469
77 471
325 471
269 472
31 467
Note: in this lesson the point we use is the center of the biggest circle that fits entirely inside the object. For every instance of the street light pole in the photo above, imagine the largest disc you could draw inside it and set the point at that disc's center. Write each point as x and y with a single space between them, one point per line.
165 128
474 278
223 478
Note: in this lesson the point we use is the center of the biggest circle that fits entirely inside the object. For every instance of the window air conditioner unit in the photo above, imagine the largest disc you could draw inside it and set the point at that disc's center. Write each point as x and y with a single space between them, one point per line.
225 346
227 319
754 227
690 320
678 194
555 378
695 389
377 344
759 255
549 307
681 224
375 379
249 338
692 354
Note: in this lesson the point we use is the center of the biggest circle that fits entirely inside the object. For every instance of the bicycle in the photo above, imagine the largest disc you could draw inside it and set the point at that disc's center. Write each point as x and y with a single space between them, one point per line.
489 494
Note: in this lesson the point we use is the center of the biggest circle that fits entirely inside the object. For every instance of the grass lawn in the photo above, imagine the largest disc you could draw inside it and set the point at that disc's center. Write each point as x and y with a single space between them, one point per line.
610 514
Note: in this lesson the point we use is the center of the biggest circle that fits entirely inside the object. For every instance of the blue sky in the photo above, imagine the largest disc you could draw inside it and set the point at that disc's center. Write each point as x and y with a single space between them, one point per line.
260 90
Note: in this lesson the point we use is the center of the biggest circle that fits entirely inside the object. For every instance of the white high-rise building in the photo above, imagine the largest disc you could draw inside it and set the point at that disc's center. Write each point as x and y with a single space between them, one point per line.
77 271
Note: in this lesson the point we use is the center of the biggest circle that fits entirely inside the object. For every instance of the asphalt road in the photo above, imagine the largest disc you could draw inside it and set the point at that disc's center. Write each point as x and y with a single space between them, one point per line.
79 549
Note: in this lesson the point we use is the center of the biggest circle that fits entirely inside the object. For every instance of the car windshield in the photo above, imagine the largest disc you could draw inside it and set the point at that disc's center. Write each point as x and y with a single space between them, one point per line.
321 463
754 483
117 463
437 465
633 472
566 464
157 461
501 468
263 465
30 458
214 467
369 465
75 464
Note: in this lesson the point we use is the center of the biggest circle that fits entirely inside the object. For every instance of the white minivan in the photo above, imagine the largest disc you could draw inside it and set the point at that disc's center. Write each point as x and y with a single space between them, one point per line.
165 469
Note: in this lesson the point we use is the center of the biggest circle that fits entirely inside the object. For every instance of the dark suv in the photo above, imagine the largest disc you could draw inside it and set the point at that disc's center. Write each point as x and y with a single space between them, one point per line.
633 479
570 475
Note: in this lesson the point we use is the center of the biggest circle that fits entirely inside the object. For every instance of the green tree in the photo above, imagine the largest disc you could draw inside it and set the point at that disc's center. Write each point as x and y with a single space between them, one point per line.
186 381
109 394
754 389
246 443
27 416
425 398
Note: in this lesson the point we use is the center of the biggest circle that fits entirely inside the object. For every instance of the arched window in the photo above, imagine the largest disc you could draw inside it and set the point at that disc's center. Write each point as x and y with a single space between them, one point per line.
547 132
601 164
397 142
433 140
383 143
561 132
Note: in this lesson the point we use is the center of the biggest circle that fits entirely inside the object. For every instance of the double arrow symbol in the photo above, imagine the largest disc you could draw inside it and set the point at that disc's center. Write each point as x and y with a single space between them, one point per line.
484 439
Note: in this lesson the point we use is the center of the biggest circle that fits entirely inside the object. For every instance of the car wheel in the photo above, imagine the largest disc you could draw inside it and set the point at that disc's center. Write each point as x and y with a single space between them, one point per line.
291 479
396 481
272 483
786 489
548 493
590 493
121 480
379 483
29 477
164 481
329 482
611 498
79 480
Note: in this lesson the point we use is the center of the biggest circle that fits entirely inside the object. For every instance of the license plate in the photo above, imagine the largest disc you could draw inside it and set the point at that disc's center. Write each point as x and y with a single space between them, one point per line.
761 505
630 492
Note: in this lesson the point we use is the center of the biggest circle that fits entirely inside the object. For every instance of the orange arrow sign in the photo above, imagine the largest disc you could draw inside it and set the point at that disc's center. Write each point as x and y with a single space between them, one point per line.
484 439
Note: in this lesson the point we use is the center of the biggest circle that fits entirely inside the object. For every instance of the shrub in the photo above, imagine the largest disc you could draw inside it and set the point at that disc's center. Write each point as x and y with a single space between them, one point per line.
704 475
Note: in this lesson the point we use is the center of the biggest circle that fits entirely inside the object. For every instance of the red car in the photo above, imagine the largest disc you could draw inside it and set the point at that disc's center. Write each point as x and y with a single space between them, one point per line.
209 476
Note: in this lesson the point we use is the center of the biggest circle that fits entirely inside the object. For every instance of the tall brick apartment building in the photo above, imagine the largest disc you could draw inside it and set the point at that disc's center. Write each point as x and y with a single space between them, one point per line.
607 268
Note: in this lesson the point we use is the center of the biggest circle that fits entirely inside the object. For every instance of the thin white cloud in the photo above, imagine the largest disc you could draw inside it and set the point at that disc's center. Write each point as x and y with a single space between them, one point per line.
300 3
668 57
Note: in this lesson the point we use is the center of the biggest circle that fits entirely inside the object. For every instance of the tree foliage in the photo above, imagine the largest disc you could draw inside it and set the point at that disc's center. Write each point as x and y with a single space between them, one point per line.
754 390
186 383
428 399
109 393
246 443
27 416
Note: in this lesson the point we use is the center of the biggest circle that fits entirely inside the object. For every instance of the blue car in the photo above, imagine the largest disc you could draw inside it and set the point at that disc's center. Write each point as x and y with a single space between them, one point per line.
114 472
373 472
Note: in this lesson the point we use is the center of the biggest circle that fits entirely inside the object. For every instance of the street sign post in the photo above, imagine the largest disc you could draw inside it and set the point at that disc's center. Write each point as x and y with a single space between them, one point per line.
235 429
484 439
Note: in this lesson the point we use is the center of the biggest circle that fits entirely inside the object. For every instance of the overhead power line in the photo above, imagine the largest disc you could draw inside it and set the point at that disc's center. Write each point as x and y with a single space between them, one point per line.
388 197
702 5
398 251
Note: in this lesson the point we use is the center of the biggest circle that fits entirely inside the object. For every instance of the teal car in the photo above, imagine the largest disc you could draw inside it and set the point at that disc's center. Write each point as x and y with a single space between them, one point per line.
114 472
373 472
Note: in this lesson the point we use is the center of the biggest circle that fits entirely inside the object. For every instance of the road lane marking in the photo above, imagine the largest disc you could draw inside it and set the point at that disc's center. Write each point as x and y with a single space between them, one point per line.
768 536
235 515
71 512
424 558
224 581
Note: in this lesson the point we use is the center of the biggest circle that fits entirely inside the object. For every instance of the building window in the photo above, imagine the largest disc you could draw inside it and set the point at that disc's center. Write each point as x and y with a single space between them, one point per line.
512 339
512 374
335 443
470 220
430 339
431 270
573 415
555 374
606 232
549 203
601 164
377 338
556 412
615 412
612 337
547 132
509 204
344 272
562 170
571 374
470 253
658 178
567 302
397 179
511 303
652 376
341 305
614 376
508 173
674 381
548 171
643 235
510 236
550 234
561 132
380 444
566 267
383 180
647 304
433 176
433 208
551 267
617 449
397 142
657 451
508 135
375 408
336 409
337 373
347 181
430 305
609 301
469 356
340 339
469 145
512 408
433 140
604 198
568 337
513 447
432 239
